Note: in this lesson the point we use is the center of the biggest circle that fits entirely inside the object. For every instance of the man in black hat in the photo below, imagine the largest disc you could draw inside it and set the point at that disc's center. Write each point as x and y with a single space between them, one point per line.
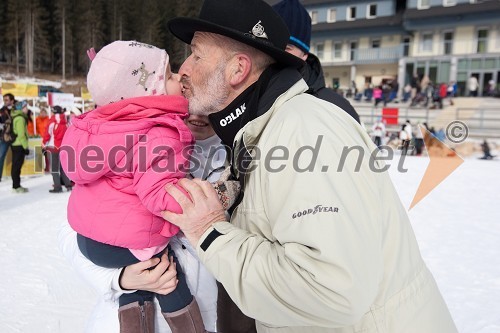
306 250
298 22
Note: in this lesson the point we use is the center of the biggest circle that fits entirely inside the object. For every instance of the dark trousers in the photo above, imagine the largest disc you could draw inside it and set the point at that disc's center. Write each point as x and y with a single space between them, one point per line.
56 171
230 319
419 145
17 164
405 147
110 256
4 148
378 141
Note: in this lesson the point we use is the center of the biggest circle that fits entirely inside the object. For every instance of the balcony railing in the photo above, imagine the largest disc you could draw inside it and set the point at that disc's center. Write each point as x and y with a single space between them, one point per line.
363 55
381 54
457 47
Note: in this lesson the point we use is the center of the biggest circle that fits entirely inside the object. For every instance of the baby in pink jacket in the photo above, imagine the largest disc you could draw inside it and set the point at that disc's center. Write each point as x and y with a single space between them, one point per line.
120 156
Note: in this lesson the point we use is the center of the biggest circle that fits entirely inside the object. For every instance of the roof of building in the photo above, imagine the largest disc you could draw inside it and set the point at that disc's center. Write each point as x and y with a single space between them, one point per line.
459 9
317 2
383 21
307 2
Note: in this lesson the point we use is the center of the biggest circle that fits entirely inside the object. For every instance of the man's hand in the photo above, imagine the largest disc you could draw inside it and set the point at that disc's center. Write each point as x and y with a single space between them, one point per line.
199 212
161 280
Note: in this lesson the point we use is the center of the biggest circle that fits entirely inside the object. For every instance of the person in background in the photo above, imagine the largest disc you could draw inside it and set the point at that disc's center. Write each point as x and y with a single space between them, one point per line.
443 92
394 90
491 88
451 91
42 122
5 114
378 130
378 95
405 135
406 93
20 145
31 125
473 86
298 23
486 151
419 139
51 144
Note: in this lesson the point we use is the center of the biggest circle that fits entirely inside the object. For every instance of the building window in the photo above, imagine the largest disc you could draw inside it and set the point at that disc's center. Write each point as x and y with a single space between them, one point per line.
354 50
351 13
332 15
498 40
426 42
448 42
448 3
482 41
320 50
371 11
423 4
337 50
406 46
375 43
314 16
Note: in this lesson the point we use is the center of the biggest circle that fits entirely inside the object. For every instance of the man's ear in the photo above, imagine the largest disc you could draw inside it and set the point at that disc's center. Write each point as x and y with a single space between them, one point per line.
239 69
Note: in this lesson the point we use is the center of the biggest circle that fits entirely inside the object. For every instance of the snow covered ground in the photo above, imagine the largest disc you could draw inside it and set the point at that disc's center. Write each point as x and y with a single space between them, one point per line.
457 226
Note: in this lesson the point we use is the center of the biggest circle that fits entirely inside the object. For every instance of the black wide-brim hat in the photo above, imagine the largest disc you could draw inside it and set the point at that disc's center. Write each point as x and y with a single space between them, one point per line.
252 22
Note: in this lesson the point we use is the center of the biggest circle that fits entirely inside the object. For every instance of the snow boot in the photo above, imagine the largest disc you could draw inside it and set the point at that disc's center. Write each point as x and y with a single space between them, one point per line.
56 189
186 320
135 318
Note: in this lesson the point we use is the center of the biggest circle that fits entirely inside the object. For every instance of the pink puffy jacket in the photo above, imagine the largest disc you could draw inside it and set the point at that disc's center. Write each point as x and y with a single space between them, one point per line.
120 157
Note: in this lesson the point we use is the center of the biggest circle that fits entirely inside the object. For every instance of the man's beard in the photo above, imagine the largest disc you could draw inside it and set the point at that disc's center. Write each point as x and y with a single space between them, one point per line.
211 94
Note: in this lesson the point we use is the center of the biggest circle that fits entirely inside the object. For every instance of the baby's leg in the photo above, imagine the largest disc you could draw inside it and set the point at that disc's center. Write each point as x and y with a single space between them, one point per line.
179 307
136 312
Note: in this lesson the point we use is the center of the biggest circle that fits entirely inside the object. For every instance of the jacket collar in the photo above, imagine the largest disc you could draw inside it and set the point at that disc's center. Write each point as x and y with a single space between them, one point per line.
261 100
247 115
313 73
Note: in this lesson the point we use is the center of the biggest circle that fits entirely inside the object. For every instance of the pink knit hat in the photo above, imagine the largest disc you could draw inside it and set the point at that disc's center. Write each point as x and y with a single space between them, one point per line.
126 69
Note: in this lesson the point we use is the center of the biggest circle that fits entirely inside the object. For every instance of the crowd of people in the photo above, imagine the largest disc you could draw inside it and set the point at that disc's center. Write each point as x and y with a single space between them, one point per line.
419 92
227 244
17 126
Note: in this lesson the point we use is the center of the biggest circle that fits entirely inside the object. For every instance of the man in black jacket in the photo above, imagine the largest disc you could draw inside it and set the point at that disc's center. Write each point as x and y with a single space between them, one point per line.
8 104
298 22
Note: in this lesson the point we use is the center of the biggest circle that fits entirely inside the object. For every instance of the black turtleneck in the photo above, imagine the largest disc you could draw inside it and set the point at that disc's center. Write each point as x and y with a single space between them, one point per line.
253 102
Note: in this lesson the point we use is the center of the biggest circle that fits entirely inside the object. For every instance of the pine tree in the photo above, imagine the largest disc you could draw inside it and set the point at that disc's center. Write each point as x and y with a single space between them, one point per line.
62 35
14 29
150 19
35 39
88 30
180 50
54 35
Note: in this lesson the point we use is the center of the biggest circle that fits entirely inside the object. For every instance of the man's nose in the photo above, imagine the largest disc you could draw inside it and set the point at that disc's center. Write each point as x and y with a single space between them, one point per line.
185 69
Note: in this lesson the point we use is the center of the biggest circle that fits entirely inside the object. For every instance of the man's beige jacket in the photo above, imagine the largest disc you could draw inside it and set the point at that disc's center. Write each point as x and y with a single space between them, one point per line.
328 249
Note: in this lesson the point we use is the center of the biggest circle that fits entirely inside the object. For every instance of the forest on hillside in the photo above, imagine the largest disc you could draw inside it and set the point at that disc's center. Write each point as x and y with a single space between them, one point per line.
53 35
